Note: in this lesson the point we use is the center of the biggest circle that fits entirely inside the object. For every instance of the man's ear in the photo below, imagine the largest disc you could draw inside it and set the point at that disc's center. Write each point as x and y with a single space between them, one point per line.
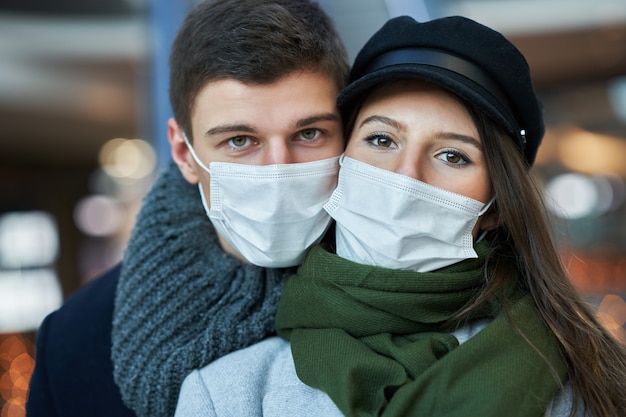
180 152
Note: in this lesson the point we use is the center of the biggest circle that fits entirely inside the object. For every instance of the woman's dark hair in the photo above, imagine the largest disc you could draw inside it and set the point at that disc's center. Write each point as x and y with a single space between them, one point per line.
524 242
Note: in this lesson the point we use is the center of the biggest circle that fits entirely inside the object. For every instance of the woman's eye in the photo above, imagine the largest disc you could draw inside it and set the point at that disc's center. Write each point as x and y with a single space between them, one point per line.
309 134
453 158
381 141
239 141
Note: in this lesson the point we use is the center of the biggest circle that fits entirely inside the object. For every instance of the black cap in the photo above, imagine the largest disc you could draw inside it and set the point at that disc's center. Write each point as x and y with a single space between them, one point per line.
473 61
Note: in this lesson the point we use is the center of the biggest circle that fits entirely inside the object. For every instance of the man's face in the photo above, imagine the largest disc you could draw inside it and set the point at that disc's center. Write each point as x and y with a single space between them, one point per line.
292 120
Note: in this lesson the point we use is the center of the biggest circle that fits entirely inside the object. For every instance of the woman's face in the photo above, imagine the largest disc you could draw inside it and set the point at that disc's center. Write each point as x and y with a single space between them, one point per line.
421 131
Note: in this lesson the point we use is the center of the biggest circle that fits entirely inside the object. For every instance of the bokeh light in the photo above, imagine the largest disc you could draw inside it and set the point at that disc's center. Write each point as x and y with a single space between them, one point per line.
98 215
573 195
28 239
127 158
591 153
26 297
16 368
29 286
612 315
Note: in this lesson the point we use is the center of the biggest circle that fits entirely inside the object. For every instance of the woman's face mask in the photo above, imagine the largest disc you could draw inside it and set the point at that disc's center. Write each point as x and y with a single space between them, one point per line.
391 220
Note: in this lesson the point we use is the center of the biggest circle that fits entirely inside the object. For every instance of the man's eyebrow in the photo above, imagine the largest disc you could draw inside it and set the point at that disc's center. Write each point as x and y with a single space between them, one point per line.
244 128
229 128
383 119
315 119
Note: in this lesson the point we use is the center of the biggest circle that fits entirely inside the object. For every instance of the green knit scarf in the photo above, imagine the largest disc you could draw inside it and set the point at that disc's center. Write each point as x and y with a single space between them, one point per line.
371 338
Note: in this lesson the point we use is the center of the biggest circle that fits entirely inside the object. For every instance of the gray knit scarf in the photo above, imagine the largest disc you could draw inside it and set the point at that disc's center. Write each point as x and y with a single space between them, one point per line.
181 301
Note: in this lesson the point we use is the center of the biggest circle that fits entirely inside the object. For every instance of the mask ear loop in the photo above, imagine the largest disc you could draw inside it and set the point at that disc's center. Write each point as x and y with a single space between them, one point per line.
204 167
204 203
485 208
194 155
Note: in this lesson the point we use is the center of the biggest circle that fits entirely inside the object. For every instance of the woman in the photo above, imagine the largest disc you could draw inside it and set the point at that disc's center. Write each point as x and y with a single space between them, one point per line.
446 296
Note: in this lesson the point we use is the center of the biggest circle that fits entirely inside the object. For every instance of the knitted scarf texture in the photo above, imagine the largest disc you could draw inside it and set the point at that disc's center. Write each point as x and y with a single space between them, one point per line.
371 338
181 301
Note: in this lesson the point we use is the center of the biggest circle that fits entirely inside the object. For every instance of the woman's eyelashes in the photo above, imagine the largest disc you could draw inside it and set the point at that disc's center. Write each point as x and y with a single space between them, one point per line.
381 140
453 157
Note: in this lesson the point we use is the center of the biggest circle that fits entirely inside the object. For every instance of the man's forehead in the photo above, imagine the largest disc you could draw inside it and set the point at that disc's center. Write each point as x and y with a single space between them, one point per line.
297 101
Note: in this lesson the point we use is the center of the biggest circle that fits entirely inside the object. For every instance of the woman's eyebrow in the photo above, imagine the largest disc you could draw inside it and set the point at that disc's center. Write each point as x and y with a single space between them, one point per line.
441 135
461 138
383 119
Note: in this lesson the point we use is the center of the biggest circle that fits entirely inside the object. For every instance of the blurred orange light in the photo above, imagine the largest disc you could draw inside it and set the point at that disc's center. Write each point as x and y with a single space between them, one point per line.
16 368
592 153
612 315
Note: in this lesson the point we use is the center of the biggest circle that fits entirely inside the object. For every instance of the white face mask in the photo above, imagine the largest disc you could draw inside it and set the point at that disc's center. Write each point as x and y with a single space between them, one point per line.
394 221
270 214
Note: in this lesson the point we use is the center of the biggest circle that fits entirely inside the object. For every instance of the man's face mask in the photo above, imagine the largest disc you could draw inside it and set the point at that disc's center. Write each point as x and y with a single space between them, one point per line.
270 214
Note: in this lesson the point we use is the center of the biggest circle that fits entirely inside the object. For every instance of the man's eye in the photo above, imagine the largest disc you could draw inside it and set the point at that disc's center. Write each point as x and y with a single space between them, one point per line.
239 141
309 134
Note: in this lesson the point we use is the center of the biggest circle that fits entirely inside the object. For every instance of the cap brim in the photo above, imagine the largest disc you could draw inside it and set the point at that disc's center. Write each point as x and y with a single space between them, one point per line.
463 87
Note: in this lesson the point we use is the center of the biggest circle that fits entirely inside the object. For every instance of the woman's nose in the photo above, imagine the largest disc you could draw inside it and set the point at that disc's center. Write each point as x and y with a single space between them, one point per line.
408 165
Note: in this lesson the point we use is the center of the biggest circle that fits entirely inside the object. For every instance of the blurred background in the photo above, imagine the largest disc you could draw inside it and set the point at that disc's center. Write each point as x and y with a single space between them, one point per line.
83 110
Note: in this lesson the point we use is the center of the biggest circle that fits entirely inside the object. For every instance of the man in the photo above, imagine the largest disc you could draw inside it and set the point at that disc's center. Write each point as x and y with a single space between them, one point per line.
253 86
